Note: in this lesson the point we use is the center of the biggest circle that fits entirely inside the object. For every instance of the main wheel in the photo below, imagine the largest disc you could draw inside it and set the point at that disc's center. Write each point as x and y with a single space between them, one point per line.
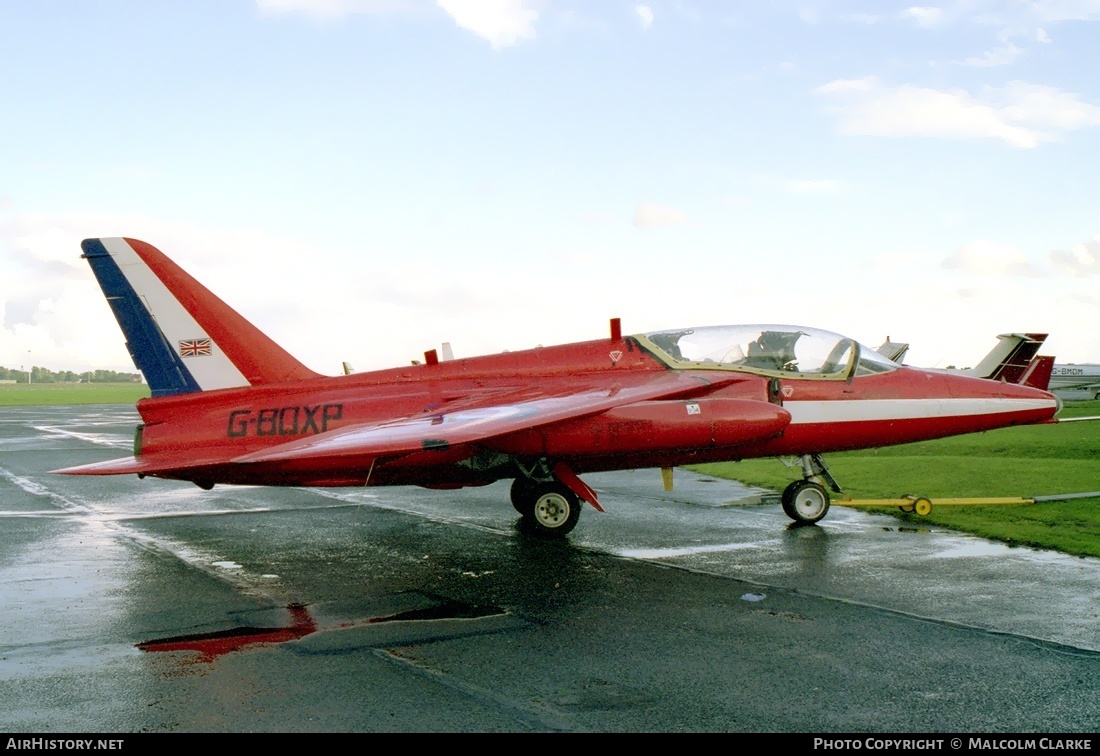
555 512
523 495
809 501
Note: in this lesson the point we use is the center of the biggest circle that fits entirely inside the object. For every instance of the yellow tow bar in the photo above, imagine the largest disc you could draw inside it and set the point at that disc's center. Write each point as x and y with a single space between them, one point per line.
922 505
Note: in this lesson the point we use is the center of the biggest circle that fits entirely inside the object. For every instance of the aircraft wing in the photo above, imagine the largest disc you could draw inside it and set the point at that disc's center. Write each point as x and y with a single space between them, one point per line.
461 423
469 424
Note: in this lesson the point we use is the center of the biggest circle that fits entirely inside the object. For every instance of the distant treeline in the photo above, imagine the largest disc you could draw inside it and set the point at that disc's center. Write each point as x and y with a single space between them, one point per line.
43 375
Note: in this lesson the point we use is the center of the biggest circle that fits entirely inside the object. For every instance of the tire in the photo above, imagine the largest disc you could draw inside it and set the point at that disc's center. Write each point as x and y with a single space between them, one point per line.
809 502
554 512
787 496
523 495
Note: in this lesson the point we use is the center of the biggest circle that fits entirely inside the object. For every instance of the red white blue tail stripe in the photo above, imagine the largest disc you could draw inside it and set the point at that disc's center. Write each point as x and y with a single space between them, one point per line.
182 337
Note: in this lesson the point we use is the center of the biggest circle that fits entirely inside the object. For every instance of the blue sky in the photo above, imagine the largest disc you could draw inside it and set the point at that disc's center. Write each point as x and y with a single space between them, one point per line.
365 179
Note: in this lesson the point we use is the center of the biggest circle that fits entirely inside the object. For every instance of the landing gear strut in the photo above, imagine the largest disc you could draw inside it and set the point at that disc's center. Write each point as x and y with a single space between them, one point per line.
807 501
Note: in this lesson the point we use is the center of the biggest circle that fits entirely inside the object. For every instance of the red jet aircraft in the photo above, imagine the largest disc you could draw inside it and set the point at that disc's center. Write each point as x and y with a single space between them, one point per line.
230 406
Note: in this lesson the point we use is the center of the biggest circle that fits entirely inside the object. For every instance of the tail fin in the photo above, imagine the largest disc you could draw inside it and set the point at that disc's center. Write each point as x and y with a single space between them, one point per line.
1010 358
1038 373
182 337
893 350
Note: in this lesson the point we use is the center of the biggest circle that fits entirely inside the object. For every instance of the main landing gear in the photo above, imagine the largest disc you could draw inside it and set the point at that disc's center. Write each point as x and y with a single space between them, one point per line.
549 507
806 501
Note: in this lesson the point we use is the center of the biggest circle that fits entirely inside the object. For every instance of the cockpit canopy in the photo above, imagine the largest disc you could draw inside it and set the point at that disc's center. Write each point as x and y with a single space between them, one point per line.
768 349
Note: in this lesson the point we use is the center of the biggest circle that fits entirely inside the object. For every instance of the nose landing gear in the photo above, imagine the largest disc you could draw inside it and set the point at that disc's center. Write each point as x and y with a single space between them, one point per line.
806 501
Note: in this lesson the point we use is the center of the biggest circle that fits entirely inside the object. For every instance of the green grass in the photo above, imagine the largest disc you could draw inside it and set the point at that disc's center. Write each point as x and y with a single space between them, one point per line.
23 394
1024 462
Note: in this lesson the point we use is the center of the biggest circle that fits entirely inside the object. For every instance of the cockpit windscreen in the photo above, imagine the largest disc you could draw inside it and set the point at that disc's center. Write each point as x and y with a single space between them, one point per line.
769 349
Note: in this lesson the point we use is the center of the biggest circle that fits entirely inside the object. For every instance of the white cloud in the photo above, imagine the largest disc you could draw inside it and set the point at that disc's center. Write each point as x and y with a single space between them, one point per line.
1043 106
645 15
999 56
501 22
1081 259
54 311
1064 10
901 260
866 84
1019 113
924 15
1042 36
809 14
999 13
963 308
328 9
651 215
987 258
51 306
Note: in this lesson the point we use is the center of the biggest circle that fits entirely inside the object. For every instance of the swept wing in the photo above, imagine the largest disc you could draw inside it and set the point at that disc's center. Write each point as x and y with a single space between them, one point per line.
461 423
470 425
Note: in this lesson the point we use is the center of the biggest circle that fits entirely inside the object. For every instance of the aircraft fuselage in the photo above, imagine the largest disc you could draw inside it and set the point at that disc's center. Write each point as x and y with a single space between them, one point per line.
720 415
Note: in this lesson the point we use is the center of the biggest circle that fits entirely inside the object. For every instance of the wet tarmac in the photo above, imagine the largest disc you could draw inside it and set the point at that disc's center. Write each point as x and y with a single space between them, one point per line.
148 606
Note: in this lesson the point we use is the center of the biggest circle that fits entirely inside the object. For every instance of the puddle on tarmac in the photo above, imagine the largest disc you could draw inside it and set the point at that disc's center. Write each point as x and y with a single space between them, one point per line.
210 646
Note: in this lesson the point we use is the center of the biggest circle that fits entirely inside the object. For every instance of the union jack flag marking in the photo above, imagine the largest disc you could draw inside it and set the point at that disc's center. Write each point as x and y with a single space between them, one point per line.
195 348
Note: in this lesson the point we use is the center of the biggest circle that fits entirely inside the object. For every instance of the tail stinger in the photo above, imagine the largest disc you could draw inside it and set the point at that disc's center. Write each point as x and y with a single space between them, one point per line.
181 336
1039 372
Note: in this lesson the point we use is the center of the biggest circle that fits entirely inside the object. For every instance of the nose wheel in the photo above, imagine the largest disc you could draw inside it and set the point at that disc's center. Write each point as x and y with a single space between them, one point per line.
805 501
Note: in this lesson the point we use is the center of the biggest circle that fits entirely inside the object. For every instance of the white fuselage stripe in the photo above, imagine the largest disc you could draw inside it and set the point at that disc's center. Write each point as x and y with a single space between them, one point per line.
862 410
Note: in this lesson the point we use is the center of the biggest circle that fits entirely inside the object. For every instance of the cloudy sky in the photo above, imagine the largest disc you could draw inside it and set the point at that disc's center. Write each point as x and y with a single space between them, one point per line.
365 179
